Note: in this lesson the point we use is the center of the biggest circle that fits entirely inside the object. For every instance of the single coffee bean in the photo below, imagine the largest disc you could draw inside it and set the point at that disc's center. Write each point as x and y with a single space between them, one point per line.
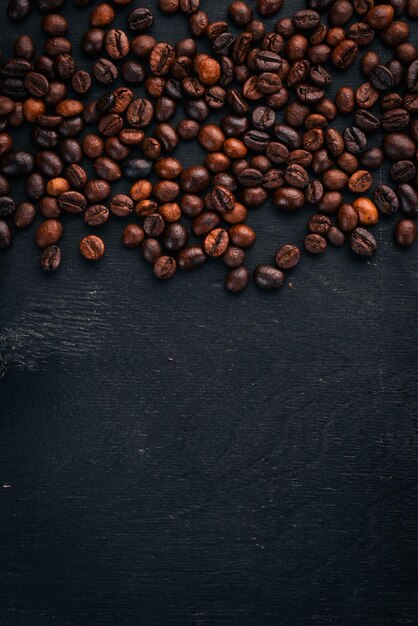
72 202
48 233
403 171
355 140
398 146
233 257
132 236
139 19
335 237
287 257
268 278
175 236
385 199
5 234
408 199
405 233
7 206
216 242
24 215
165 267
50 258
319 224
92 247
190 258
315 244
96 215
363 243
347 218
237 279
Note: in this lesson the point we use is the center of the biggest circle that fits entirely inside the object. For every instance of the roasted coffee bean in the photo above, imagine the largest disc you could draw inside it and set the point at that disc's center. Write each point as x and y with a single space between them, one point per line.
385 199
92 247
315 244
7 206
372 158
347 218
139 19
287 257
24 215
314 192
237 279
151 249
233 257
18 10
105 71
395 120
336 237
5 234
405 233
165 267
408 199
175 236
132 236
72 202
366 211
289 198
319 224
222 199
48 233
50 258
366 121
296 176
190 258
363 243
398 146
96 215
403 171
344 54
268 278
76 176
250 177
360 181
17 163
355 140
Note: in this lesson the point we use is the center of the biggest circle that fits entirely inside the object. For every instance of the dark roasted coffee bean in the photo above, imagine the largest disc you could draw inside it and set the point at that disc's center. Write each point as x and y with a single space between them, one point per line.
287 257
355 140
72 202
18 163
296 176
403 171
289 198
315 244
405 233
24 215
175 236
335 237
92 41
372 158
319 224
344 54
105 71
268 278
398 146
133 235
139 19
362 242
385 199
381 77
314 192
165 267
366 121
18 10
92 247
7 206
237 279
50 258
151 249
395 120
408 198
5 234
191 257
96 215
360 181
250 177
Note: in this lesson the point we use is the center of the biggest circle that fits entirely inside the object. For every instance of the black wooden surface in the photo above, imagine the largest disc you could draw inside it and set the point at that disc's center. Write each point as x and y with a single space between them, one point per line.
170 454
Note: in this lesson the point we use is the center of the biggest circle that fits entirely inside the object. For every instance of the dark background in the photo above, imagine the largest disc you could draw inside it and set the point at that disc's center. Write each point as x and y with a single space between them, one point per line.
172 454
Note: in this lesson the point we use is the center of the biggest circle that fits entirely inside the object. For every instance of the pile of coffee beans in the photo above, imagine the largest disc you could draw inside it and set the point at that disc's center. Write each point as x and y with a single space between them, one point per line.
280 134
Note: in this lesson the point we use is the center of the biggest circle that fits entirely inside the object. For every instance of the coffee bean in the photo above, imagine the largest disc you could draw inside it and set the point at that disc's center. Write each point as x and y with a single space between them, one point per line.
289 198
24 215
139 19
5 234
355 140
72 202
17 163
287 257
237 279
18 10
48 233
363 243
268 278
408 199
105 71
7 206
165 267
50 258
403 171
405 233
190 258
96 215
216 242
132 236
315 244
92 247
319 224
335 237
296 176
360 181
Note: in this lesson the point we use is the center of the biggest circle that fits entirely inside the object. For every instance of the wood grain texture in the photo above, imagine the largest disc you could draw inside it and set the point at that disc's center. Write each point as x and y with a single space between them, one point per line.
173 455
